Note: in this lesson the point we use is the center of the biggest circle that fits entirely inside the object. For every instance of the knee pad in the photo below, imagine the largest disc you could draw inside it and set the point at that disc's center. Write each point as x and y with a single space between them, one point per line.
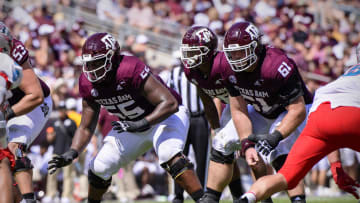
22 163
98 182
218 157
179 167
279 162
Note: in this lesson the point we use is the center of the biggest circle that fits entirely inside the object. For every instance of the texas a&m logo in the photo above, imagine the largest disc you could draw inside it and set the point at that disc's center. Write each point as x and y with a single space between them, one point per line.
204 35
252 31
109 41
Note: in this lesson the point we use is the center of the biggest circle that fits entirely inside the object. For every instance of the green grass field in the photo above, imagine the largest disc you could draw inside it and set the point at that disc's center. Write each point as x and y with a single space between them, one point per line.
346 199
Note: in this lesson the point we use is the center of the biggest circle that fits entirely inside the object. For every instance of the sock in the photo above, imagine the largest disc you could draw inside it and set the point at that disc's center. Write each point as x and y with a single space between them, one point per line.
250 197
298 199
197 195
30 195
236 188
93 201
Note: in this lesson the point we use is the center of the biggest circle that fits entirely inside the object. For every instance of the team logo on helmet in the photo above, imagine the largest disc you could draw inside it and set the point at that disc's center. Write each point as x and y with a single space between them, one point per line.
204 35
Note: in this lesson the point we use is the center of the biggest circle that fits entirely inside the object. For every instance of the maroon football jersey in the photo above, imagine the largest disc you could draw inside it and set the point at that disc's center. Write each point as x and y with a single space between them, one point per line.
20 54
212 85
273 85
122 95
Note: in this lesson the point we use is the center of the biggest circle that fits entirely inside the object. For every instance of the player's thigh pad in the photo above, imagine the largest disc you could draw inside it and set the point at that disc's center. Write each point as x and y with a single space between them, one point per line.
24 129
118 150
227 133
170 135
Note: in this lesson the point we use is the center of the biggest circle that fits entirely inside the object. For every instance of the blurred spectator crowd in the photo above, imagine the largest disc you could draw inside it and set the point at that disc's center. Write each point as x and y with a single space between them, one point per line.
320 35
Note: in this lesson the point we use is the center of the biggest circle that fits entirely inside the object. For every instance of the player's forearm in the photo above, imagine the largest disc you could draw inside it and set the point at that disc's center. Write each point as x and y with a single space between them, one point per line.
212 116
28 103
163 111
291 121
242 124
218 106
81 139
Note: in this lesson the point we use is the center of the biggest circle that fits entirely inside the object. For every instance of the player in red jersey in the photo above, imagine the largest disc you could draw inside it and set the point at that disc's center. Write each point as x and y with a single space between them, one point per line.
10 78
333 123
26 113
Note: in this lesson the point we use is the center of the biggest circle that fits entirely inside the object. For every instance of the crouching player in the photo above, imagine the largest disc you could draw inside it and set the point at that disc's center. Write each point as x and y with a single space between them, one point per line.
333 123
10 78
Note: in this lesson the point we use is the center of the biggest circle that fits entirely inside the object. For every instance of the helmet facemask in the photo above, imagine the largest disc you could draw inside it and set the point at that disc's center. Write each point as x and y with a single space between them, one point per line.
96 67
239 57
193 56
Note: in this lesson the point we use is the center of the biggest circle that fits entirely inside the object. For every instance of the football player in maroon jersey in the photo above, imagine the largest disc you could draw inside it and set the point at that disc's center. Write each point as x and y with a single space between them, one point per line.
149 116
268 80
203 66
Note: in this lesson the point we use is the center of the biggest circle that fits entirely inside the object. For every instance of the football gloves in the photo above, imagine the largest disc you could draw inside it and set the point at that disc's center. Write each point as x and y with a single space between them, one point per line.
62 160
265 143
131 126
343 180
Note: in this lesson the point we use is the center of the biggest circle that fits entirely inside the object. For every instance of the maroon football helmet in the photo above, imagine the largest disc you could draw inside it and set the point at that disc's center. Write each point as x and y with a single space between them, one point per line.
98 55
199 45
242 45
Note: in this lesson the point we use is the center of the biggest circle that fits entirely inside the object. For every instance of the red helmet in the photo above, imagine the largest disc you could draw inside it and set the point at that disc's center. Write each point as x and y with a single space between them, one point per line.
199 45
98 54
242 45
5 39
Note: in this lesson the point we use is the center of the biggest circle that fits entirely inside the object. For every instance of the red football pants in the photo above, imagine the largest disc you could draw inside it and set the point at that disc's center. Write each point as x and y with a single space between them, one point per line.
5 153
326 130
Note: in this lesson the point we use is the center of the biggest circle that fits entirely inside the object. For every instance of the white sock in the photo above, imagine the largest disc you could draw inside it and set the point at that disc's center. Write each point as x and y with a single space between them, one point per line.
250 196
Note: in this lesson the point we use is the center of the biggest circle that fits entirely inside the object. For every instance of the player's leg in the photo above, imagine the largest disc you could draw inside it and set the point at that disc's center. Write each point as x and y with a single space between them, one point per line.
168 141
308 149
6 182
235 185
221 165
22 132
118 150
178 190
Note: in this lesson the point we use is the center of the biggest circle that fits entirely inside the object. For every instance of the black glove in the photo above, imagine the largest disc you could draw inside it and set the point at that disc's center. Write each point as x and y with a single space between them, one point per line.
131 126
265 143
62 160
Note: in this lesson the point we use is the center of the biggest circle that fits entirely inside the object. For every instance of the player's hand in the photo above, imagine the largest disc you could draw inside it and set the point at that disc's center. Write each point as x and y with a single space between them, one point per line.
265 143
131 126
251 156
343 180
62 160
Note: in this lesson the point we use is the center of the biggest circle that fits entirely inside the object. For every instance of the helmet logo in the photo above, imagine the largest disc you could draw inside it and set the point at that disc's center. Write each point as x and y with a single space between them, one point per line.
204 35
109 41
252 31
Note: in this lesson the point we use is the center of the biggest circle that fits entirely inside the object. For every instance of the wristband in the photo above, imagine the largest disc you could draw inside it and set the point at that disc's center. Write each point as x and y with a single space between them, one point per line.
73 153
245 144
144 125
277 135
9 113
